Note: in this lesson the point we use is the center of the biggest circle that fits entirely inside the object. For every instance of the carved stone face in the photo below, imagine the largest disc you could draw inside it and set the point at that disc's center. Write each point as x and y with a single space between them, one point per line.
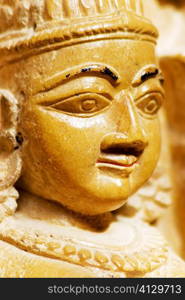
90 125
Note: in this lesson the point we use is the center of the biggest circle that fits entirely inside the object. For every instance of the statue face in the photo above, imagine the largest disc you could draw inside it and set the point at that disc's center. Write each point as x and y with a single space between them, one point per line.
90 125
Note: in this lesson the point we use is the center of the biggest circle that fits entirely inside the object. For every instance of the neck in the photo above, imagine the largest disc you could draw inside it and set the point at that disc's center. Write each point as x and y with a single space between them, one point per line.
42 208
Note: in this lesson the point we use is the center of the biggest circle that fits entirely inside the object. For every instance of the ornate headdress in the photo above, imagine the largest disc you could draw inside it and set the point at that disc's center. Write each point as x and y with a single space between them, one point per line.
27 25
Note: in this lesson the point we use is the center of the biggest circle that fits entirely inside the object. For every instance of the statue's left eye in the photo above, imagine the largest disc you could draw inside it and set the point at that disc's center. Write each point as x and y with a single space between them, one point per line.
150 103
83 104
88 105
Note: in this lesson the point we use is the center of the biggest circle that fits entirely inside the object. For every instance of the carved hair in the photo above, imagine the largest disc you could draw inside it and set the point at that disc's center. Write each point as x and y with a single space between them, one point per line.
10 160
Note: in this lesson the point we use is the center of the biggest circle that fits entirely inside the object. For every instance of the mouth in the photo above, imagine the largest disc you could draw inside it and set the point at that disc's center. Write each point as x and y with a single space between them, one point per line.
124 164
120 159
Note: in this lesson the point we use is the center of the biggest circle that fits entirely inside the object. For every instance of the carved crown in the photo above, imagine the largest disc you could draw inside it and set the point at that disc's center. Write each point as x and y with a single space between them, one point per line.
37 23
21 13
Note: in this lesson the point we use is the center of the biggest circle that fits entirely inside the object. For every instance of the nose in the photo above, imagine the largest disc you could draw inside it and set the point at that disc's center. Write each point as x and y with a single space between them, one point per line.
130 137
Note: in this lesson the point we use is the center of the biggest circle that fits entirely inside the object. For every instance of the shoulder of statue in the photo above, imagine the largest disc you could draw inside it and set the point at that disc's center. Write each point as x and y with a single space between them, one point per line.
127 246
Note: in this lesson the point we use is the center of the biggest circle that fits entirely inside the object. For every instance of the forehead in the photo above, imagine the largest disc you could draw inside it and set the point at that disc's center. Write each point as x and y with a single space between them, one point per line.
127 57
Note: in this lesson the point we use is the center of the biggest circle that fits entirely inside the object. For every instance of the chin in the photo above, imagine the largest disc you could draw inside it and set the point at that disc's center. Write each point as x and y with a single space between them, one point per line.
98 209
102 202
99 195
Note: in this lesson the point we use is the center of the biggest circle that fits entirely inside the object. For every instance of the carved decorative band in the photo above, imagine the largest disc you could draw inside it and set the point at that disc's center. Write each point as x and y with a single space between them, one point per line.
53 33
145 259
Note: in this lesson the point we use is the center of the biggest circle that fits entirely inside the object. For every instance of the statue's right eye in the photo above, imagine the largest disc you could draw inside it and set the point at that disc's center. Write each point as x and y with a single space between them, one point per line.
83 104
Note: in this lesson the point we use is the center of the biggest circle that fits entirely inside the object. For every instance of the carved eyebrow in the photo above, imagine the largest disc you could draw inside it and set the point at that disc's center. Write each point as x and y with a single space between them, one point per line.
102 70
146 73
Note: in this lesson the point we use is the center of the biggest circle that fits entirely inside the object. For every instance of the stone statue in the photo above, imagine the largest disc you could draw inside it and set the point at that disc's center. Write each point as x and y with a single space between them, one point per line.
80 93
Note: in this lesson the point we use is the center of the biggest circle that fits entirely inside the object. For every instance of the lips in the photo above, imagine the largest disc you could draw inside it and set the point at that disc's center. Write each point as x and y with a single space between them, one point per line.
124 161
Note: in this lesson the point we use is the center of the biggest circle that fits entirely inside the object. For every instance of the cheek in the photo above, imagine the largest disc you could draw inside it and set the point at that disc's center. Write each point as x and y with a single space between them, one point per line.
154 138
152 152
150 156
64 139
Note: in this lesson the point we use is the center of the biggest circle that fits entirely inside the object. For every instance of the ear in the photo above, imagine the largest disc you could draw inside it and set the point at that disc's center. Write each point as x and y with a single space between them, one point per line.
10 158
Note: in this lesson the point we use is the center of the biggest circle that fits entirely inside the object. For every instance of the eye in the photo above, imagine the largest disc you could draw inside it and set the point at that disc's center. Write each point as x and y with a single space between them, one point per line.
89 105
150 103
83 104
